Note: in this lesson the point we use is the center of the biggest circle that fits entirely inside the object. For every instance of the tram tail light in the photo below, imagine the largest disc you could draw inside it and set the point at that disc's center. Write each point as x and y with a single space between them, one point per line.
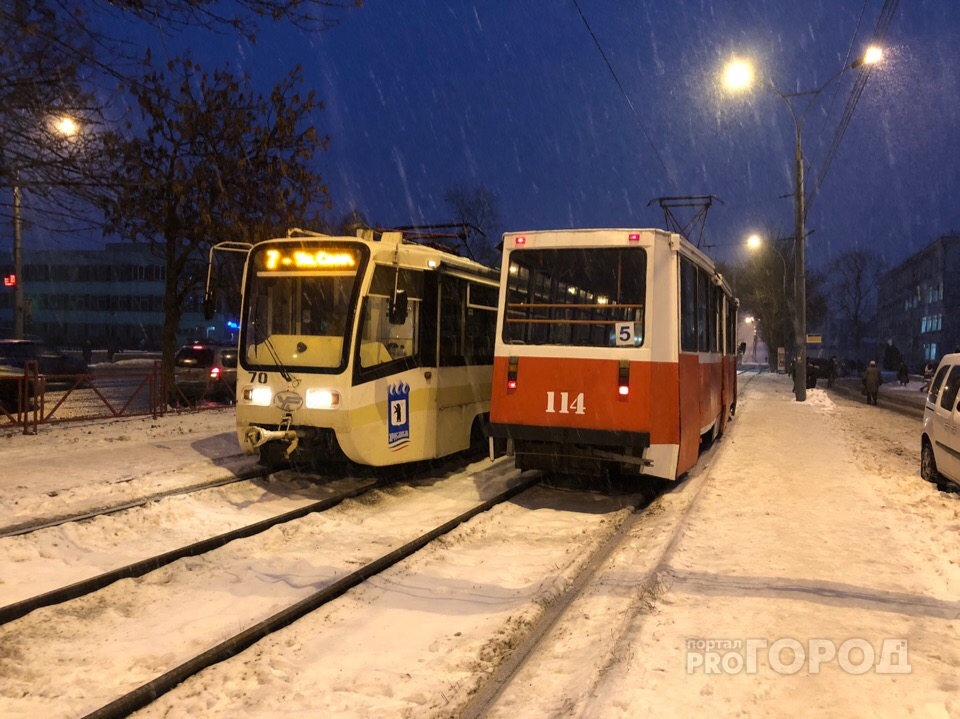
623 379
512 364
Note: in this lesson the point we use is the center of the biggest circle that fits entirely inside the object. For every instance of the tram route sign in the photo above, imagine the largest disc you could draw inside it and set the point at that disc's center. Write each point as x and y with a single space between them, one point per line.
398 416
814 339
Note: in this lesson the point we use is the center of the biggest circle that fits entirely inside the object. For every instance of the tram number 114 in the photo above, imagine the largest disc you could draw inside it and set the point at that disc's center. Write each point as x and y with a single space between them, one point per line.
566 406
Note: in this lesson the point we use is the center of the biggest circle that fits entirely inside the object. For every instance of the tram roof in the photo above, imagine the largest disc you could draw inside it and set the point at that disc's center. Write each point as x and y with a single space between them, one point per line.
617 234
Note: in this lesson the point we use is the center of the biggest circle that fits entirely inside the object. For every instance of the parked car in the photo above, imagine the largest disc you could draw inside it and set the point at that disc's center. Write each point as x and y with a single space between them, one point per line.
57 367
206 370
816 368
940 438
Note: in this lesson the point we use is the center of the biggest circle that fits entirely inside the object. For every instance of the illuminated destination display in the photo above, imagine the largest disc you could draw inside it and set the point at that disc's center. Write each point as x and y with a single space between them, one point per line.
302 260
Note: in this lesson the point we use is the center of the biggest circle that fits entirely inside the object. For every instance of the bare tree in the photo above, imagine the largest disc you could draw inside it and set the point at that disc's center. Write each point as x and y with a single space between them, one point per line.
59 57
857 274
476 210
764 284
210 160
41 85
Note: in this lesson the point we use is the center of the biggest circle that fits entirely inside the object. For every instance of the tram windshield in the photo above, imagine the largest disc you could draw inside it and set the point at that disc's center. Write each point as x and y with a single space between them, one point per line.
587 297
299 304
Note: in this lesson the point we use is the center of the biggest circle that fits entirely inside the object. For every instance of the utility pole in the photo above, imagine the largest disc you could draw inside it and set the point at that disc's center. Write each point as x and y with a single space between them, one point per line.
18 312
800 279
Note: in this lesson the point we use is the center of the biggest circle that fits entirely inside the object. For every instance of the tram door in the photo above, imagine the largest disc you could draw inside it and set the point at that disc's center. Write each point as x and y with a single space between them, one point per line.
397 367
466 325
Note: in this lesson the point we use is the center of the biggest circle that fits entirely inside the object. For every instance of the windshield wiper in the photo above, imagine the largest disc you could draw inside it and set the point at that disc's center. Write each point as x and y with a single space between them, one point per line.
284 372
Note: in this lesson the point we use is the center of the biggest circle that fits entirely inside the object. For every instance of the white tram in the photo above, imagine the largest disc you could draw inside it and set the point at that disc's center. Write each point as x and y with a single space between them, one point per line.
616 351
373 349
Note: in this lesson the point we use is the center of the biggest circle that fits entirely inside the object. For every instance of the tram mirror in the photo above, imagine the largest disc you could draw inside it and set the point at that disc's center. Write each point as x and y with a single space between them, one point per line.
743 348
397 314
209 305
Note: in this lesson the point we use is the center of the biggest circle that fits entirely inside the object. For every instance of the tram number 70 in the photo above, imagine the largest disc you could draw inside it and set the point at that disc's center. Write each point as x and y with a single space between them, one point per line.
566 406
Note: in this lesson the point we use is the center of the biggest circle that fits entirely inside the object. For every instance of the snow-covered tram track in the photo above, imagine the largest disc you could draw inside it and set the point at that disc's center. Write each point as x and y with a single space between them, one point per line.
21 608
147 693
163 617
252 506
624 578
14 530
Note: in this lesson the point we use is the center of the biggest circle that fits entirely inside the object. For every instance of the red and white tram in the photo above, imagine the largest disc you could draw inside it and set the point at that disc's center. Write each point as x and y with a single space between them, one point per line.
616 351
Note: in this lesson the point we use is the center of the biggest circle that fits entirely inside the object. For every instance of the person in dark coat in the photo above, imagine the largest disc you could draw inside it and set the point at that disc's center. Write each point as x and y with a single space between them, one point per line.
871 382
903 375
831 371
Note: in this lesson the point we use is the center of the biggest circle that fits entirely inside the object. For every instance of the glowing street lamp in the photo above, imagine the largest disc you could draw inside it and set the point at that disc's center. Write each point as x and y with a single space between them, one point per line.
738 76
66 126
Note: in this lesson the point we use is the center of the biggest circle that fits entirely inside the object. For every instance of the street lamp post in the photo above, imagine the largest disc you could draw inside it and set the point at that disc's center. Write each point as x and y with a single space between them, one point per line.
67 127
739 76
17 263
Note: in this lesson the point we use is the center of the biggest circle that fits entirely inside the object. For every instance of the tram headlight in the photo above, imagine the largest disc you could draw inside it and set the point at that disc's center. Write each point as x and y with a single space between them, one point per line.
260 396
322 399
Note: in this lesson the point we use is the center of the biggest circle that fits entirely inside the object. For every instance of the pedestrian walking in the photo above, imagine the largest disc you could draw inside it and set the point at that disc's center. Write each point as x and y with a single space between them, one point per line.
831 371
928 369
872 380
87 351
903 375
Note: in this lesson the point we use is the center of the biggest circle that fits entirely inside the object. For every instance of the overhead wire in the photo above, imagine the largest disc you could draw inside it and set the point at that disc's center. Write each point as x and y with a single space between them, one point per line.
623 92
836 88
883 25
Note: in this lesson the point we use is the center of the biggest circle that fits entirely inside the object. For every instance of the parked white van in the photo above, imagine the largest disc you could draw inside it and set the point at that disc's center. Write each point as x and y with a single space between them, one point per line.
940 440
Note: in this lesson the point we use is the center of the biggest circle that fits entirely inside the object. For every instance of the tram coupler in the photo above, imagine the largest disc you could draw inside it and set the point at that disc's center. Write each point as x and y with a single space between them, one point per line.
258 436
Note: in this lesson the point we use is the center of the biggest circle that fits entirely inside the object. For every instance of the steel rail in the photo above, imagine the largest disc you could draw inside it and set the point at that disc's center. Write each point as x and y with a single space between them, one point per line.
14 530
146 693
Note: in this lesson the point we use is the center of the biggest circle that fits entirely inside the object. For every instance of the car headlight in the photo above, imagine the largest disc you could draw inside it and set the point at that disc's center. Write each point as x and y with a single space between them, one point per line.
260 396
322 399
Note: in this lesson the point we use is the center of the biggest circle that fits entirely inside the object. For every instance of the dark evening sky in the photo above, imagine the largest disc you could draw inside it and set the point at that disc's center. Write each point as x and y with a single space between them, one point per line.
422 95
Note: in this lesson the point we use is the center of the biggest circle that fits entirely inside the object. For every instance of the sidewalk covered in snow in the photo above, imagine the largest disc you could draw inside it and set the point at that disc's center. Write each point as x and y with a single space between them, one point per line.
815 574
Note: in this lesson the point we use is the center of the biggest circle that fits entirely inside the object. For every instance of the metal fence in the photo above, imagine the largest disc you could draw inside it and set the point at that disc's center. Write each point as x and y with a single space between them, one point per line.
31 399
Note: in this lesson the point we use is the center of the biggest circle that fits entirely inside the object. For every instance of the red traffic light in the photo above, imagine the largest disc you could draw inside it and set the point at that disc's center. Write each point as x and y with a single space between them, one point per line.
10 281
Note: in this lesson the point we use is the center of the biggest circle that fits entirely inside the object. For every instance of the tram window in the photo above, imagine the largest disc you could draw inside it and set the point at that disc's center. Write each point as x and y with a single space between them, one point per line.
385 278
481 326
452 305
296 310
715 327
688 306
382 342
575 296
702 312
482 296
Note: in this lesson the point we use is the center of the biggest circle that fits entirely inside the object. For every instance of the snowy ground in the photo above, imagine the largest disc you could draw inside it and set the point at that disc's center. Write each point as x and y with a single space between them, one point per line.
77 467
811 526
